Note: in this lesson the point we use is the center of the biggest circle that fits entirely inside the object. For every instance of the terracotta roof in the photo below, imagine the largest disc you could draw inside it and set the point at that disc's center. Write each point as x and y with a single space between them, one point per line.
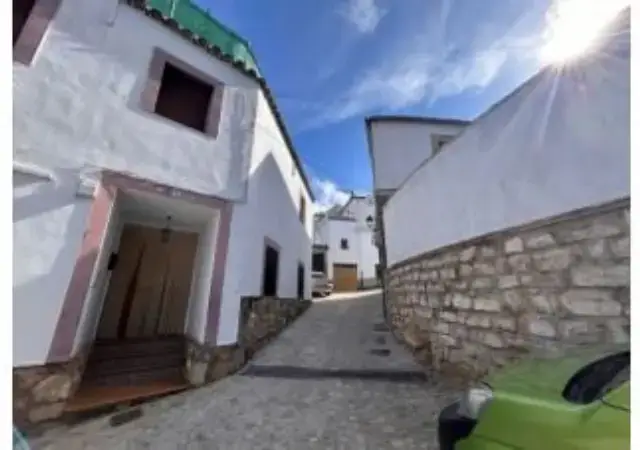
217 52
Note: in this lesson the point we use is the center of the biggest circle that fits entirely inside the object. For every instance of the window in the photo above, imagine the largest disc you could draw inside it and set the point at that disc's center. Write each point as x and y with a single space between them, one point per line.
344 244
438 142
318 262
21 12
183 98
270 271
303 209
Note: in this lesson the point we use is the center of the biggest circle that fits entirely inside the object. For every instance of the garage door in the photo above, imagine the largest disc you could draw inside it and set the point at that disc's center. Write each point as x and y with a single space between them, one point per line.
345 277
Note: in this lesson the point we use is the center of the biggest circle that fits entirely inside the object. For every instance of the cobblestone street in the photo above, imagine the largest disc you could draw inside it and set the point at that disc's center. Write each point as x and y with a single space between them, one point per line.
333 380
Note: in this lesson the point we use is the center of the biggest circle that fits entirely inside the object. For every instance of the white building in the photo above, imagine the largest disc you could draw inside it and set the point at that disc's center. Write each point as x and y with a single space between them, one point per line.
398 146
155 184
516 237
344 235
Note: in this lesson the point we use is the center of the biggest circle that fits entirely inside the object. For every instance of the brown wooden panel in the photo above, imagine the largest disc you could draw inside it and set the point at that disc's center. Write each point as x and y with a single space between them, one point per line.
129 253
150 286
345 277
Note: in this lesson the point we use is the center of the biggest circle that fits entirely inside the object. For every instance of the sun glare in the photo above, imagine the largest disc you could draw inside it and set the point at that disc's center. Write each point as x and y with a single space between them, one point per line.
574 26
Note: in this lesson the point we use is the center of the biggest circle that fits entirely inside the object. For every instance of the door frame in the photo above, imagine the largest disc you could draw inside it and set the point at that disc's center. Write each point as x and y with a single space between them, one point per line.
106 188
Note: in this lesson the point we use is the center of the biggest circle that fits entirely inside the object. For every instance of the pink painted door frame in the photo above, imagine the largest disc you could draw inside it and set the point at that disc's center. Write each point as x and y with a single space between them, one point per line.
110 184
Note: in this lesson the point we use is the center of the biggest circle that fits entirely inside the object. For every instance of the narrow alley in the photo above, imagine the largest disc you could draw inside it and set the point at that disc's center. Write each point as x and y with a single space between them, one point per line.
334 379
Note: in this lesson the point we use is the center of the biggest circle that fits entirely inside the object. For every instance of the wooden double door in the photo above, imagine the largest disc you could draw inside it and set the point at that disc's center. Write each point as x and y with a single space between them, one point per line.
150 284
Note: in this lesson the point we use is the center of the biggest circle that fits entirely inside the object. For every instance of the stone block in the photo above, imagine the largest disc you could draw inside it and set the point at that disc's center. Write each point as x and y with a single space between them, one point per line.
597 249
520 263
479 320
487 251
461 301
447 274
591 302
483 283
468 254
441 327
621 247
484 268
504 323
446 340
53 388
507 281
543 280
487 304
539 240
553 259
601 276
618 330
466 270
514 245
542 328
571 329
197 372
514 300
544 303
447 316
493 340
599 228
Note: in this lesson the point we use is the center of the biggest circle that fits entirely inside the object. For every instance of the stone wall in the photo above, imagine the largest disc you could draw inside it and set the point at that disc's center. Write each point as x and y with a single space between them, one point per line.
261 319
40 392
477 305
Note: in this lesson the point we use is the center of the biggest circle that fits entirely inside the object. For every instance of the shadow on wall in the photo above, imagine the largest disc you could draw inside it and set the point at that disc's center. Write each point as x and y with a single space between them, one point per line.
274 213
52 237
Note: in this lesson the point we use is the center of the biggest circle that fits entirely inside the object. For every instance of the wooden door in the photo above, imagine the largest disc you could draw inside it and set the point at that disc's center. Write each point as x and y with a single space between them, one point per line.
345 277
150 285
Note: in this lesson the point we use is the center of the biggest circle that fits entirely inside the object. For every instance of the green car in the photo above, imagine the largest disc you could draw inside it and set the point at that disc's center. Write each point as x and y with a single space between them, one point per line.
577 401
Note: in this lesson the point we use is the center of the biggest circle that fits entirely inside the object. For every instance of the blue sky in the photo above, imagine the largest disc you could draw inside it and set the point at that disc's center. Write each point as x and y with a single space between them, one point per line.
331 63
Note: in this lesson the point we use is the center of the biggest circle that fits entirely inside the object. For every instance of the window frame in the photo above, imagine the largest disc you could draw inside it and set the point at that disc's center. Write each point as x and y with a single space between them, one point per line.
151 91
32 33
270 244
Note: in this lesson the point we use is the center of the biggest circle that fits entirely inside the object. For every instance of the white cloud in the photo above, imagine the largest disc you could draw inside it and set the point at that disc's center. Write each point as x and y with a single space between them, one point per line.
445 57
328 194
365 15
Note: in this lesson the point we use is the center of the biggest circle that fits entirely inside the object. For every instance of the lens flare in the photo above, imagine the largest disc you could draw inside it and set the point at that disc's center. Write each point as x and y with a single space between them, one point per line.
574 26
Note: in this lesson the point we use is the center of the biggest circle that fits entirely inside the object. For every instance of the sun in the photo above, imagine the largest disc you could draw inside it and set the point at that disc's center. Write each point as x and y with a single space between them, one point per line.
574 26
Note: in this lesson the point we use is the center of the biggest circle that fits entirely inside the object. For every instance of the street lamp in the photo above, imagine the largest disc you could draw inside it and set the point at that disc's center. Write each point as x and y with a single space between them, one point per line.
370 222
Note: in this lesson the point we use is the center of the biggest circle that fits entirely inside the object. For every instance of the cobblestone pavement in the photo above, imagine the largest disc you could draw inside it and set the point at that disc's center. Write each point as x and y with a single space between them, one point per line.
317 386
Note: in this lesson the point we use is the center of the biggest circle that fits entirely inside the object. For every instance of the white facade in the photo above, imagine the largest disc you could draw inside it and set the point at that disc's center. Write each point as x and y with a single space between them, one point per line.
76 112
559 143
350 224
398 145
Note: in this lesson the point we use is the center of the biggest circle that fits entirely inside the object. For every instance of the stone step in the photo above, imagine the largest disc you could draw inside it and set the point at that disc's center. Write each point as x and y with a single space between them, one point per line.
125 349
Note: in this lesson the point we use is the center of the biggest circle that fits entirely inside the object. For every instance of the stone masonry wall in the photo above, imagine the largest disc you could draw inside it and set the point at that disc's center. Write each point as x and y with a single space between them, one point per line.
40 392
475 306
261 319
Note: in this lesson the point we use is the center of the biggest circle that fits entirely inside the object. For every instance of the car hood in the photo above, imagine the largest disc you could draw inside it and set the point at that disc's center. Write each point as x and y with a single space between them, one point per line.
548 376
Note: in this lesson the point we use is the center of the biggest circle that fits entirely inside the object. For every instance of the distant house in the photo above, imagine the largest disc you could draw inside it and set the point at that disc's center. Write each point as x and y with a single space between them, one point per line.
398 145
155 186
344 248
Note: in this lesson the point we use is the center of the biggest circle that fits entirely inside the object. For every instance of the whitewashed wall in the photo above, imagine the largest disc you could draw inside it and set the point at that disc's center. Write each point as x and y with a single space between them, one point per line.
366 252
99 285
48 224
271 211
559 143
398 147
78 104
